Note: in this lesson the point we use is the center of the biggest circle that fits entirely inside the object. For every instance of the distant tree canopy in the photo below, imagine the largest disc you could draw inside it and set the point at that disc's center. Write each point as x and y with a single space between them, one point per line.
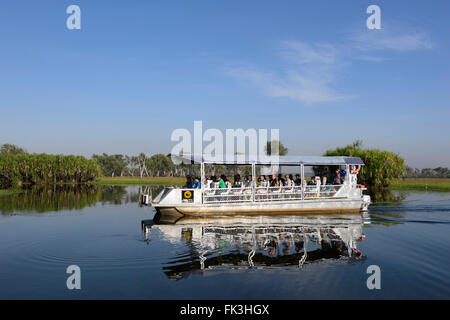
141 165
381 167
113 165
160 165
282 150
439 172
11 149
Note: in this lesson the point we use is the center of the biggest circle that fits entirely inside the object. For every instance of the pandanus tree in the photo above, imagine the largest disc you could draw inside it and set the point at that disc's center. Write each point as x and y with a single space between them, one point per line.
21 169
381 167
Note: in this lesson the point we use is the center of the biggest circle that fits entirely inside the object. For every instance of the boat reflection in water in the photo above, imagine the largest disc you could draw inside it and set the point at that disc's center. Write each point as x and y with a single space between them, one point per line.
234 244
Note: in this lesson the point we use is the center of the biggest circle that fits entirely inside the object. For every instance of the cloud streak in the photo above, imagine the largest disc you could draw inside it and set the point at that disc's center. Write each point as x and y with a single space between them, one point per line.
308 72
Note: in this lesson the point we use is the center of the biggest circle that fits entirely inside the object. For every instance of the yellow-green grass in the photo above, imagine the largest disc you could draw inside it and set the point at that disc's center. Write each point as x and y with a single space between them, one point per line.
422 184
146 181
5 192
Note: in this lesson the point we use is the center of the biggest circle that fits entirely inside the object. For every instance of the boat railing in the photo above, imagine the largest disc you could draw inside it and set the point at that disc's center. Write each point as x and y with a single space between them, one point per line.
262 194
214 195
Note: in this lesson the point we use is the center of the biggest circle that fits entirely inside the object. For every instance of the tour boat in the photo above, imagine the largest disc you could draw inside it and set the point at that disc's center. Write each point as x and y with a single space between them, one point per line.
255 199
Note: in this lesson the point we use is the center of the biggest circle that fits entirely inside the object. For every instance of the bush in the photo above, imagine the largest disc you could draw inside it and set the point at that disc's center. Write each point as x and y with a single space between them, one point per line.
18 169
381 167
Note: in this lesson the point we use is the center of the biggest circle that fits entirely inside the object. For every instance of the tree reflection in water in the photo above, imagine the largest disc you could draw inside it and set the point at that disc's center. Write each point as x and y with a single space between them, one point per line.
232 244
62 197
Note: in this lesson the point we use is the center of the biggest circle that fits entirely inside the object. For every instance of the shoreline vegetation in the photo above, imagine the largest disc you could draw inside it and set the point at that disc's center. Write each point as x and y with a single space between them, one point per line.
145 181
423 184
384 170
7 192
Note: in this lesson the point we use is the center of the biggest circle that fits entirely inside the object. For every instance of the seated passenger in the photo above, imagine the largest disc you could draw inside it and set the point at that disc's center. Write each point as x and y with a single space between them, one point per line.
189 183
298 180
287 181
274 181
197 184
262 182
312 181
246 182
237 181
222 181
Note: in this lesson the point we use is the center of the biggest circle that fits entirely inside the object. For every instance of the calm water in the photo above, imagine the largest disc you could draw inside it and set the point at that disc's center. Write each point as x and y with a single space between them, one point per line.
42 232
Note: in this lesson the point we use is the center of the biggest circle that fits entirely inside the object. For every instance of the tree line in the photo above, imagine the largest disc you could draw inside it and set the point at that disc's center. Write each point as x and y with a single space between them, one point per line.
439 172
119 165
160 165
17 167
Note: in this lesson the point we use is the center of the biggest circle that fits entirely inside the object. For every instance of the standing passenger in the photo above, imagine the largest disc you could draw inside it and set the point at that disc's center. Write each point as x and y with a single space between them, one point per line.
337 179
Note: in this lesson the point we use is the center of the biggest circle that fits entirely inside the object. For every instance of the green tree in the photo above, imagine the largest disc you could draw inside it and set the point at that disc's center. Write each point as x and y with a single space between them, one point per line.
160 165
111 165
282 150
11 149
381 167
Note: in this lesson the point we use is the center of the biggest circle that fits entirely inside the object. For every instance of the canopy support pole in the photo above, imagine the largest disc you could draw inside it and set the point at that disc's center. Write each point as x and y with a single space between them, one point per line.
202 181
302 179
253 181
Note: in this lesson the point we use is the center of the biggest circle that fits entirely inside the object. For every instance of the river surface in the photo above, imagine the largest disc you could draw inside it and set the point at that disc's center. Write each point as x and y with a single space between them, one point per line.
43 232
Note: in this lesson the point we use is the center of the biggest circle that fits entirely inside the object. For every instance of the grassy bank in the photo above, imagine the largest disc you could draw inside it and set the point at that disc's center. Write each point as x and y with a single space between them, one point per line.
8 192
422 184
147 181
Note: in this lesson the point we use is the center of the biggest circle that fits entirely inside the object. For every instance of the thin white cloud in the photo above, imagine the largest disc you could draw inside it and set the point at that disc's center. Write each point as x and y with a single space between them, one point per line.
307 76
304 53
293 85
309 71
386 39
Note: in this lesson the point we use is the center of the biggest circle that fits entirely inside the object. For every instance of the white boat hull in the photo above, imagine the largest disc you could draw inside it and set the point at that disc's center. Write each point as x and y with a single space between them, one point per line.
169 205
334 206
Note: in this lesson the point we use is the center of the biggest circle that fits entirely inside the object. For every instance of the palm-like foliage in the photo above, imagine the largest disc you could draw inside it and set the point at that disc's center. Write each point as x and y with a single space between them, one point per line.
381 167
19 169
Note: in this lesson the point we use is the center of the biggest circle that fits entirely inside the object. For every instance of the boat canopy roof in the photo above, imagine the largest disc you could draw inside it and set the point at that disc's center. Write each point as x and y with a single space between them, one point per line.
266 160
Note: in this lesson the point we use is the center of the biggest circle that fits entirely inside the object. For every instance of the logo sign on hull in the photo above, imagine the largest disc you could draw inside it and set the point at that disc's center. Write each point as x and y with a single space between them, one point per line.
187 196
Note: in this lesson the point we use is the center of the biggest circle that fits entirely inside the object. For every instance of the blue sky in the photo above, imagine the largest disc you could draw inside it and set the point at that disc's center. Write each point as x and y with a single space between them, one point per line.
137 70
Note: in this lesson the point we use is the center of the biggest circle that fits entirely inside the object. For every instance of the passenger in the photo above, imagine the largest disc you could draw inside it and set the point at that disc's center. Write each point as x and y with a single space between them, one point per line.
287 181
237 181
261 182
298 180
197 184
286 247
246 182
222 181
299 246
272 247
189 183
274 181
337 179
208 182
